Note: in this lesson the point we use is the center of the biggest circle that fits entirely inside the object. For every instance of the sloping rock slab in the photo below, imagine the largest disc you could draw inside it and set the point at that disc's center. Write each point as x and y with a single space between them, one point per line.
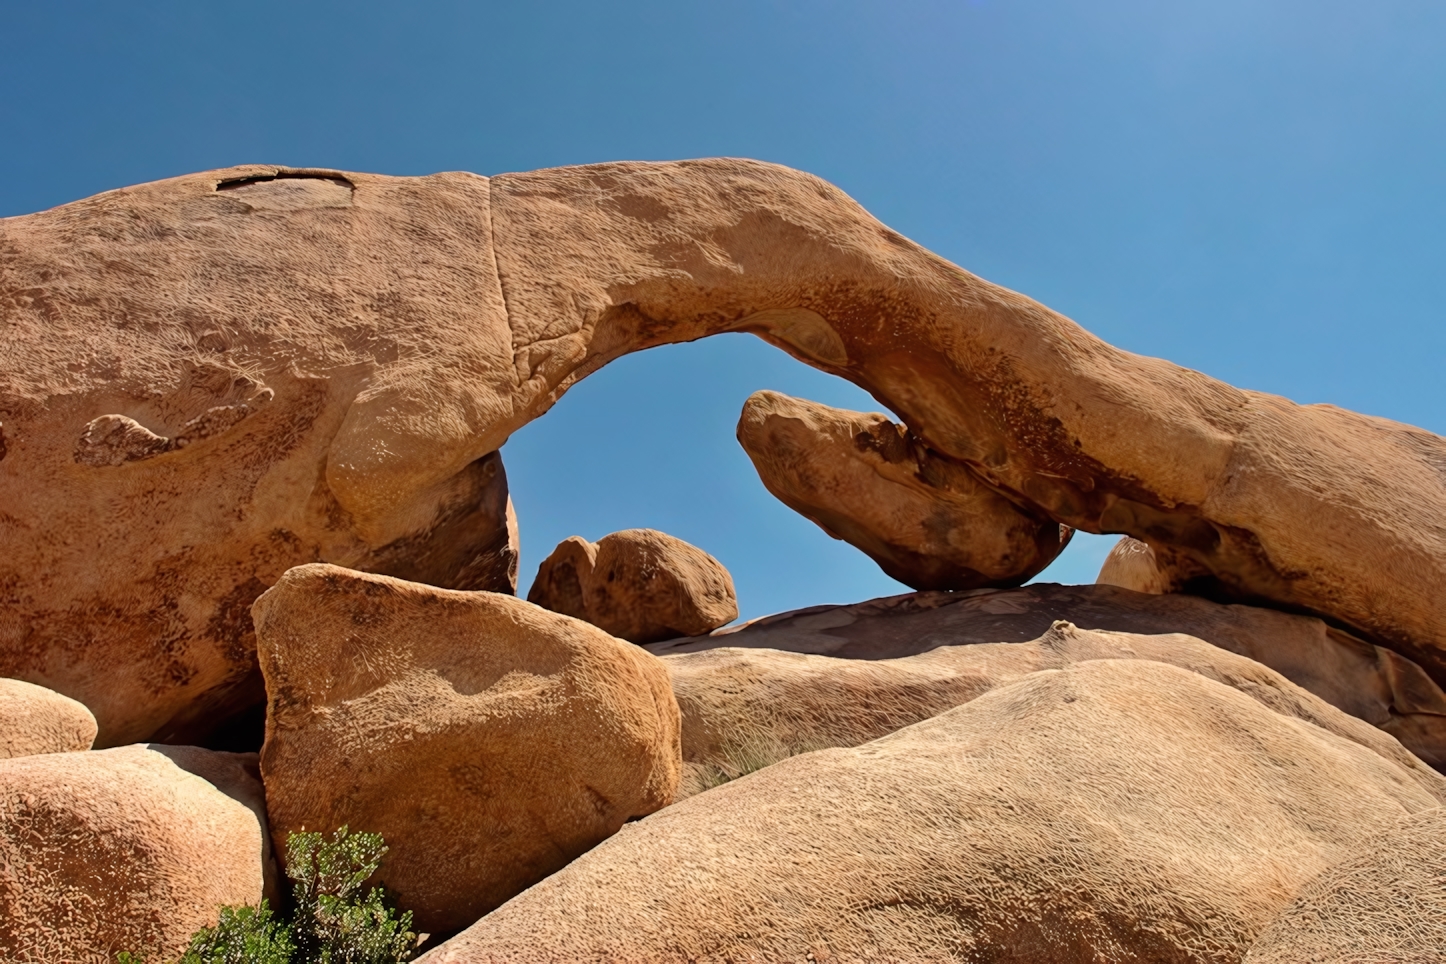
744 709
1366 681
1122 811
1383 904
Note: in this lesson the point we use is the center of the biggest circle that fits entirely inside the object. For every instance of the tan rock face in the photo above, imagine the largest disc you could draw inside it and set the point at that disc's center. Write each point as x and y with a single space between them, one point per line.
1384 903
638 584
488 740
312 364
34 719
123 850
744 709
927 521
1131 564
1365 681
1113 810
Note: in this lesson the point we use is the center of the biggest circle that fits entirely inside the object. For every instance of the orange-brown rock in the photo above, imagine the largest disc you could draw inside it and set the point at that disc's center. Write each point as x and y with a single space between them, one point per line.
1131 564
638 584
1384 903
210 378
488 740
127 849
1115 810
34 719
744 709
1366 681
928 522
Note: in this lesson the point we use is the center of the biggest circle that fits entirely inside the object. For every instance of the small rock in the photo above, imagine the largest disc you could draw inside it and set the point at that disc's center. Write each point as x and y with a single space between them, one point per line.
1131 564
638 584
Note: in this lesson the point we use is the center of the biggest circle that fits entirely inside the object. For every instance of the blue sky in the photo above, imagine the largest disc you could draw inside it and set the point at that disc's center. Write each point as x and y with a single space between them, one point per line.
1252 188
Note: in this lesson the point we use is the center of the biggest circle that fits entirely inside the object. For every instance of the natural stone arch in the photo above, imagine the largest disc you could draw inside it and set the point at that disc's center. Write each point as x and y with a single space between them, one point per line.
335 350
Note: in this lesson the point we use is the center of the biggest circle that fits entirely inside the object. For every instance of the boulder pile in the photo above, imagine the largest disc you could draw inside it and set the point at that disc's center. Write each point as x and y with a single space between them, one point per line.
260 569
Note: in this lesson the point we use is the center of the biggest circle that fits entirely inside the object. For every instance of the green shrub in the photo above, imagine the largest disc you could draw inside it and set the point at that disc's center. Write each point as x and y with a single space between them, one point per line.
331 922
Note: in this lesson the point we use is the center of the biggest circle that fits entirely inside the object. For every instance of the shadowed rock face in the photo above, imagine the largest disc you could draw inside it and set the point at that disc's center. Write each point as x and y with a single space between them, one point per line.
310 362
928 522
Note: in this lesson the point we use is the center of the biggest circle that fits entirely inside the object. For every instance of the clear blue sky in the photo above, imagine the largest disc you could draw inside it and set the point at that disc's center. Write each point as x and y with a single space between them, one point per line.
1252 188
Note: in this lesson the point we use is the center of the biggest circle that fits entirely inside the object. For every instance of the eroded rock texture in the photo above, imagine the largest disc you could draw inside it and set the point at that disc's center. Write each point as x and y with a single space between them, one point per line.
638 584
313 363
1114 810
1384 903
744 709
34 719
489 741
127 849
1366 681
927 521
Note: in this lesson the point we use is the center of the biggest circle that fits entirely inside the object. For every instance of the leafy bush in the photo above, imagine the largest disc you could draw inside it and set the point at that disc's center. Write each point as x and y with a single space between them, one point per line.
331 922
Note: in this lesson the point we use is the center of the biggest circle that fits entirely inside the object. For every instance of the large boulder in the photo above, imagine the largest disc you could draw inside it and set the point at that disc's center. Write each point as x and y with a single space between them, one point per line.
1384 903
638 584
1366 681
488 740
927 521
34 719
128 849
1131 564
1114 810
744 709
210 378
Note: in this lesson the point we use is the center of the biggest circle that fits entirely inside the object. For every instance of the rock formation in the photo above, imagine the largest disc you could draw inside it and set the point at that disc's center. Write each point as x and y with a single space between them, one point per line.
123 850
212 378
1113 810
638 584
1131 564
927 521
1384 903
1366 681
34 719
489 741
744 709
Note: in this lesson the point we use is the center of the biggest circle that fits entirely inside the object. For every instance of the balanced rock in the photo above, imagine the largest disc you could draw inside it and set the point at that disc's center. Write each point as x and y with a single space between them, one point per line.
1366 681
211 378
126 849
744 709
34 719
1131 564
488 740
1384 903
927 521
638 584
1116 810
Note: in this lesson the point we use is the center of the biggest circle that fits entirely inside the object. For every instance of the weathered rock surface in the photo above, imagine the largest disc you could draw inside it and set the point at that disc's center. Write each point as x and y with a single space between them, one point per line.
211 378
34 719
927 521
488 740
1131 564
638 584
1366 681
1114 810
128 849
744 709
1384 903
